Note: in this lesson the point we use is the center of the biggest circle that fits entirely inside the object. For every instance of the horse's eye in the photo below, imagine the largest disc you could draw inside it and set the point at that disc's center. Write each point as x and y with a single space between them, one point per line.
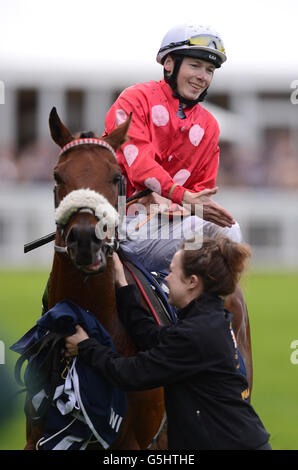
116 178
57 178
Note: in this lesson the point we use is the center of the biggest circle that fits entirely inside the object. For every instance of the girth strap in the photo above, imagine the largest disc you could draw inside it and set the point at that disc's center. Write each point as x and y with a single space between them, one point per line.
154 303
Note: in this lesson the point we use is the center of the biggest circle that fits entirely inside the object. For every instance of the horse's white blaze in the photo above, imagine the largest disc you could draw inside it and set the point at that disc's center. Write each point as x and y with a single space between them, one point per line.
107 215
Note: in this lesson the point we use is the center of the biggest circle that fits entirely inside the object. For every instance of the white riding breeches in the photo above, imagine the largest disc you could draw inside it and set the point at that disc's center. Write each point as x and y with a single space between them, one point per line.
155 242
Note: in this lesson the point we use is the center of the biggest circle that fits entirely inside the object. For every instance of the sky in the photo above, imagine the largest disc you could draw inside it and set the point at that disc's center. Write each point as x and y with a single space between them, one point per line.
72 33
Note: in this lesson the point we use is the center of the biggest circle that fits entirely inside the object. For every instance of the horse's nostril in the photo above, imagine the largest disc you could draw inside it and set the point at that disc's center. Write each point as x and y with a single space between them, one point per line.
72 236
83 244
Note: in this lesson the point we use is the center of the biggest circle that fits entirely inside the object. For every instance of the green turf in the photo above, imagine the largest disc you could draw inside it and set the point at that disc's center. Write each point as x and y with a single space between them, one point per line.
273 309
20 307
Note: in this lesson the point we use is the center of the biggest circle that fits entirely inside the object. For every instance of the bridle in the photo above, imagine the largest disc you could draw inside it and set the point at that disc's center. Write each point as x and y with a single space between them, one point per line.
121 192
88 140
108 247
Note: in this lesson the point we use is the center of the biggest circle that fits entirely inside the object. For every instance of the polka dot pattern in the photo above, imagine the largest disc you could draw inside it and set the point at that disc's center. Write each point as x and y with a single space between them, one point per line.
121 116
153 184
160 115
130 153
181 176
196 134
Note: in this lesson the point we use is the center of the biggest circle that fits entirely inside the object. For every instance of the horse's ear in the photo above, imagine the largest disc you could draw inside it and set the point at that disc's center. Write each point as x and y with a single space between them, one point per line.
59 131
119 135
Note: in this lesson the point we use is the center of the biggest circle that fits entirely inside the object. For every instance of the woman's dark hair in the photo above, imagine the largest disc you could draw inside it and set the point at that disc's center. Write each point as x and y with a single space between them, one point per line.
219 263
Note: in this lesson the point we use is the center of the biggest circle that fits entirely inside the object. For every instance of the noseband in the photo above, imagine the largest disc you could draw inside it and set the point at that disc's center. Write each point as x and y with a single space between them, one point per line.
86 200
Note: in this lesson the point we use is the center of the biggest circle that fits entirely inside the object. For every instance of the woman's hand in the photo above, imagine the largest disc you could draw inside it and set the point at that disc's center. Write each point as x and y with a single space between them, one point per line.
212 211
119 275
71 342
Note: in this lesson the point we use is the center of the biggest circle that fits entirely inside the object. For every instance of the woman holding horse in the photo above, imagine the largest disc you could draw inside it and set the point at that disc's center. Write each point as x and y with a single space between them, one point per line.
206 398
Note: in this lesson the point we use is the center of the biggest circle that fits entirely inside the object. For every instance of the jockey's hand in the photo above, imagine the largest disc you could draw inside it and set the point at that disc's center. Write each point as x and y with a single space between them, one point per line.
71 342
119 275
212 211
155 203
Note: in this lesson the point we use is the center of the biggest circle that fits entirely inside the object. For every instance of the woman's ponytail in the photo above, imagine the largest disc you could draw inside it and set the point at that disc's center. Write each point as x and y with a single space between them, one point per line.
219 263
235 254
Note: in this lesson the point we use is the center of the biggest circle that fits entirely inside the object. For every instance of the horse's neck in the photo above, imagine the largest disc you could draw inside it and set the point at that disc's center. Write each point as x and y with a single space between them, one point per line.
93 293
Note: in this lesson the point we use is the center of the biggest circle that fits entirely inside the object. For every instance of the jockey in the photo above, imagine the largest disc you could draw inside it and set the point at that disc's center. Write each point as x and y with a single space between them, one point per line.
173 147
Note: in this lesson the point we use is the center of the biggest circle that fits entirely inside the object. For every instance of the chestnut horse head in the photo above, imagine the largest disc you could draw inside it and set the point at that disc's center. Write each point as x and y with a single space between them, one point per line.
87 179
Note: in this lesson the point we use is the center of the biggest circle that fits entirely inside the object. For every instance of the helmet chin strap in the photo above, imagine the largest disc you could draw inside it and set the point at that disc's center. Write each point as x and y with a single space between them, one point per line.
172 81
190 103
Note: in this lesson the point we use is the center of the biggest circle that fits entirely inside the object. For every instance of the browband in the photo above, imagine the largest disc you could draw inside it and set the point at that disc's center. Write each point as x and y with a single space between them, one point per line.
87 140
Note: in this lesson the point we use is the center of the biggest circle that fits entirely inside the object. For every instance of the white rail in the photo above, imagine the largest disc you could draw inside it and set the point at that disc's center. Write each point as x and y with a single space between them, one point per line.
268 219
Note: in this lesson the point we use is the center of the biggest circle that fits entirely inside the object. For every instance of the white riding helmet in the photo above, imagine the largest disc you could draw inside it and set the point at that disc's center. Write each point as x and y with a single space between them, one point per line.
195 41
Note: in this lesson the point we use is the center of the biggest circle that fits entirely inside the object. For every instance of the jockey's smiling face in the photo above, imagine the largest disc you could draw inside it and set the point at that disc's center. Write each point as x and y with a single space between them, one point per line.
194 76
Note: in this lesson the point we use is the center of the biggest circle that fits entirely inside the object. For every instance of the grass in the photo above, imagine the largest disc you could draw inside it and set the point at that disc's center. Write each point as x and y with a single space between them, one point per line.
20 307
273 306
273 311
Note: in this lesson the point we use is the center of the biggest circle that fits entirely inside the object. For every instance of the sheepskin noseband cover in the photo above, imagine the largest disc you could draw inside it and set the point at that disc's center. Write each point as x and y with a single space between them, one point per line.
108 217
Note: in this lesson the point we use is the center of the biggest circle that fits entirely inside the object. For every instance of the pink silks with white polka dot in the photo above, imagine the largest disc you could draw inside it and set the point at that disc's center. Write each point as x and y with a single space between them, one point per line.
164 152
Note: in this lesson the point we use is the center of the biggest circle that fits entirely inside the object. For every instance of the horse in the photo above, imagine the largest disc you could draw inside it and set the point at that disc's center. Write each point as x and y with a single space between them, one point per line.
82 269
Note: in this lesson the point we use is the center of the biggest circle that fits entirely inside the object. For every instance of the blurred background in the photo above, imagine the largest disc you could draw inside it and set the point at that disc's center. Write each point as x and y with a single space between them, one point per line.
78 56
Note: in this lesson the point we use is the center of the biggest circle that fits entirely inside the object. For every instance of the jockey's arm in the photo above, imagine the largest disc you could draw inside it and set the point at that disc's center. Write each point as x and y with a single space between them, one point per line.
153 202
138 157
199 204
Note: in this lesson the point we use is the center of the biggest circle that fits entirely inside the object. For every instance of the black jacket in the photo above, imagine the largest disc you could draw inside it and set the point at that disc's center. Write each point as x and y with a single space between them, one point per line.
196 361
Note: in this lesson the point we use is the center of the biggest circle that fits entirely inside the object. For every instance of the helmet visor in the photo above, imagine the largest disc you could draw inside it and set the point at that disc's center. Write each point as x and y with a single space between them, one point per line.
210 41
202 40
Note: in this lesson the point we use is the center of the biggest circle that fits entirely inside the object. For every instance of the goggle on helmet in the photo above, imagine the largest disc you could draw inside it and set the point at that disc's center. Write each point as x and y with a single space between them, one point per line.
194 41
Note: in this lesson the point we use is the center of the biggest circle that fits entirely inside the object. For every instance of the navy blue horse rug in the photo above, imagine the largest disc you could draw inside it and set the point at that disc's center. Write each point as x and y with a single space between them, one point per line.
77 406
